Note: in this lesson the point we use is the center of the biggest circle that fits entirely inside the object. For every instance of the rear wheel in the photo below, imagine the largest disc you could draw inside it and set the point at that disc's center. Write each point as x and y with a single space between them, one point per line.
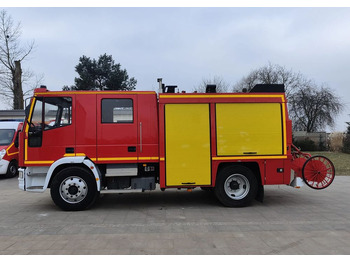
236 186
207 189
73 189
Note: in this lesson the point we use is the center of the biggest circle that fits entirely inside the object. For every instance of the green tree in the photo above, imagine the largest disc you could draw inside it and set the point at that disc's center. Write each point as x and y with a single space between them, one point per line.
101 74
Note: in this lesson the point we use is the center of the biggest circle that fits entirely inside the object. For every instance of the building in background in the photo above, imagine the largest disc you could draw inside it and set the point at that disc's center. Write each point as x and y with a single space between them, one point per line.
12 115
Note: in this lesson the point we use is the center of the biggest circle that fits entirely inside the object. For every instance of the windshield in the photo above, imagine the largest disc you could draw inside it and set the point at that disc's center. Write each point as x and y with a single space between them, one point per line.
6 136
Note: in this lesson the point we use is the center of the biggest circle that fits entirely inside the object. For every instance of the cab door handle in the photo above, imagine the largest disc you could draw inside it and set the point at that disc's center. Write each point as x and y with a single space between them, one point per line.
69 150
131 148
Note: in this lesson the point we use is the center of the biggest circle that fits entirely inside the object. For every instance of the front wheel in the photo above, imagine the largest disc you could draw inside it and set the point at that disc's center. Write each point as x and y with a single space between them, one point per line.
12 169
236 186
74 189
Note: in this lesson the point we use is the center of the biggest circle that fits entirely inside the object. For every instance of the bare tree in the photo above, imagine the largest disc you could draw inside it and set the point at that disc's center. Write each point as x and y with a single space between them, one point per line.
346 142
221 85
12 53
311 107
270 74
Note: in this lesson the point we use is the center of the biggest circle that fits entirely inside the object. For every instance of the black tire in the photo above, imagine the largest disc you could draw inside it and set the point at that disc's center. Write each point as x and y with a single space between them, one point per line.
207 189
236 186
12 169
74 189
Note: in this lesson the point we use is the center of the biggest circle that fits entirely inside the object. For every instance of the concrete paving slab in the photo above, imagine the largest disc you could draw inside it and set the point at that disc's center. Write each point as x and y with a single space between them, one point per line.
290 221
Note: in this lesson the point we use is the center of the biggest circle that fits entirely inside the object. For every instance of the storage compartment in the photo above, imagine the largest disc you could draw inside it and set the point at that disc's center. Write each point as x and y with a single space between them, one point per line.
187 144
144 183
118 182
121 170
248 129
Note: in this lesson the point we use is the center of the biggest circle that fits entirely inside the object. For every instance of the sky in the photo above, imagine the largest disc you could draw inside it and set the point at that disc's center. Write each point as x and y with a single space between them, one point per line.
184 45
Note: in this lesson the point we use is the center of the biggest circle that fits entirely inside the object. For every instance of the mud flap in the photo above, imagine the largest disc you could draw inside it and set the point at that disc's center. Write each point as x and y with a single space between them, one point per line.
260 195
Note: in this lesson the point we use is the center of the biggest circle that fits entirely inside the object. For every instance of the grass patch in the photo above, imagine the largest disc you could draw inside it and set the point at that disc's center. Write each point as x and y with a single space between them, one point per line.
341 161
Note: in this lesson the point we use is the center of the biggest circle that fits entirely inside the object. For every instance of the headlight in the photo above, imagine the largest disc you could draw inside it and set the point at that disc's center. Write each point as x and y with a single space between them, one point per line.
2 153
20 174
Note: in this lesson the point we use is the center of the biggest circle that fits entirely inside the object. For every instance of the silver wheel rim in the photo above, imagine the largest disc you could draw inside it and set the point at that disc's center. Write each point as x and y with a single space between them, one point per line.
237 186
73 189
13 170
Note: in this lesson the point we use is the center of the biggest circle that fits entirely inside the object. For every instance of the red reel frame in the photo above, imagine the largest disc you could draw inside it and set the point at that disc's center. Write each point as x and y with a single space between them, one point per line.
318 172
298 160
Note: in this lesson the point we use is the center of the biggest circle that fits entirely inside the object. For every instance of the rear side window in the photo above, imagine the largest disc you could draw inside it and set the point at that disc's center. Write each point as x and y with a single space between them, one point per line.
117 111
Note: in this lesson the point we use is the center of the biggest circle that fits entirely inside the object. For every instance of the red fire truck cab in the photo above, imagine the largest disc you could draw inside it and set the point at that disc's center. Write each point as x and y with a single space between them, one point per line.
83 143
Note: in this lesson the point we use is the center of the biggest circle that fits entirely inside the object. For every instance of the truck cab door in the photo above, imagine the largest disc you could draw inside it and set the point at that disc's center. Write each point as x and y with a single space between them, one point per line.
50 130
117 128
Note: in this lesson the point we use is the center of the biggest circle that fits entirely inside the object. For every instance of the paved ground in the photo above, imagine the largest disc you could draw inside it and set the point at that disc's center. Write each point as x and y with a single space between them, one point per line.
290 221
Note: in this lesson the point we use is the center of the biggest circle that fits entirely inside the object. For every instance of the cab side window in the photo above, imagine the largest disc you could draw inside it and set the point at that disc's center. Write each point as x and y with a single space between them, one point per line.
58 112
35 127
37 114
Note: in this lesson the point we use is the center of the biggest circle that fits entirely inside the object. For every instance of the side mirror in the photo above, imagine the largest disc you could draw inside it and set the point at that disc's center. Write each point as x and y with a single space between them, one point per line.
16 143
27 111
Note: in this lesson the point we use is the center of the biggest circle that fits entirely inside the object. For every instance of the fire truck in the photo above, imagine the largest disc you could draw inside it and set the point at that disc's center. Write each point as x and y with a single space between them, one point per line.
80 144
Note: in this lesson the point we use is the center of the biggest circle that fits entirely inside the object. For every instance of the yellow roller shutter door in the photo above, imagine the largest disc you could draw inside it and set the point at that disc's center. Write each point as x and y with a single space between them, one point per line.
249 129
187 144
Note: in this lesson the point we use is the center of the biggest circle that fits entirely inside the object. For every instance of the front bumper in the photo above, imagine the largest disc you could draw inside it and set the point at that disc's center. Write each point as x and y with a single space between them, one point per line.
21 179
3 166
32 179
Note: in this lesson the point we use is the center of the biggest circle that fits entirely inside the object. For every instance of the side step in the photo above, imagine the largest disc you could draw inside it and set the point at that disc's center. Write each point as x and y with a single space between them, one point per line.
120 191
34 187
